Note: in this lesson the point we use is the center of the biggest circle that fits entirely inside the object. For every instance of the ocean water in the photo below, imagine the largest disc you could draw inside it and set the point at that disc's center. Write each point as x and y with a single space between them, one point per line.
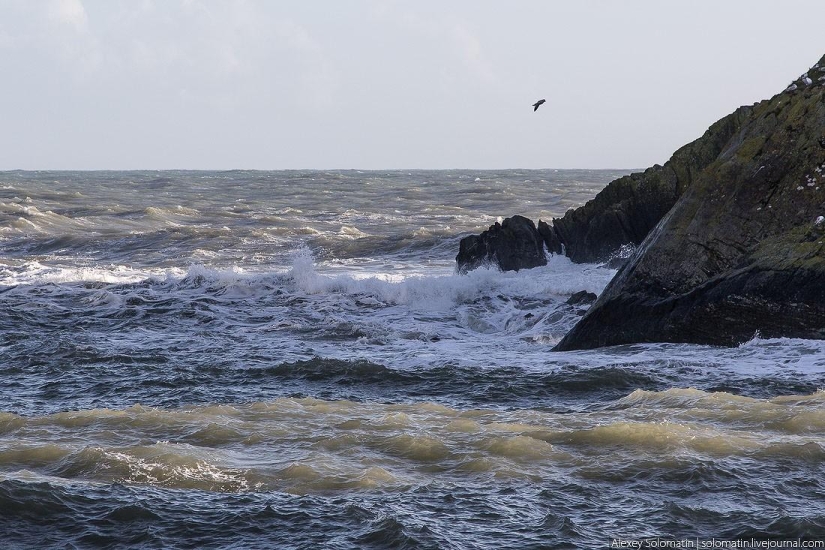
289 360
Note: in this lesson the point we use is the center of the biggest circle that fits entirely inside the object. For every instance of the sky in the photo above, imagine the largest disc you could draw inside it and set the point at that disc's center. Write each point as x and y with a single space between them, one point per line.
383 84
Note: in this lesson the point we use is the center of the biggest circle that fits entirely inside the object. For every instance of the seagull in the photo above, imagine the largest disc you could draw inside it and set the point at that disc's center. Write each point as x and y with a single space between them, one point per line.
537 104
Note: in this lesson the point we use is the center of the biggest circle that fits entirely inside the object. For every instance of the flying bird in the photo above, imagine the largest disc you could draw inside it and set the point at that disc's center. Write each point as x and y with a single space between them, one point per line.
537 104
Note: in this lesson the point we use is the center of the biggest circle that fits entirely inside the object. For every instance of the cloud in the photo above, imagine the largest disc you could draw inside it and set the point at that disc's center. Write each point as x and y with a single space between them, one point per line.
318 79
471 54
70 38
443 31
70 13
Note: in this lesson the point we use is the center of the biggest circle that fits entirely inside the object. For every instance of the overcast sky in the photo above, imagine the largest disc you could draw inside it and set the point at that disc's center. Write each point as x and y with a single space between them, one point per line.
372 84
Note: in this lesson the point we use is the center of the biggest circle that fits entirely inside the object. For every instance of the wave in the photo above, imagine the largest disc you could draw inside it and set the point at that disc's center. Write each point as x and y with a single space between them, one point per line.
307 445
163 214
792 414
560 278
38 511
27 218
490 385
33 274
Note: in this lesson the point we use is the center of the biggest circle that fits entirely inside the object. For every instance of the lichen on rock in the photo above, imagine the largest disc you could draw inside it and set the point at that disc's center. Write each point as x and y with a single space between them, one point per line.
740 250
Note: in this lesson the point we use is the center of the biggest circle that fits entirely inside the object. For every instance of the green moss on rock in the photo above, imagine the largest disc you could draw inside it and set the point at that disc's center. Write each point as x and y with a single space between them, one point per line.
741 250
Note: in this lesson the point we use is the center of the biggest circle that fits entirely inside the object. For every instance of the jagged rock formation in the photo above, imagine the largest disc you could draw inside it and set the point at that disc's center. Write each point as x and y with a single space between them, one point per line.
742 250
627 209
511 245
622 214
581 297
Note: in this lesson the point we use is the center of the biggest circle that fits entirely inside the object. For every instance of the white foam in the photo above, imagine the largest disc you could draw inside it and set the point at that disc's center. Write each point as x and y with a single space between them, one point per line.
351 232
32 273
559 279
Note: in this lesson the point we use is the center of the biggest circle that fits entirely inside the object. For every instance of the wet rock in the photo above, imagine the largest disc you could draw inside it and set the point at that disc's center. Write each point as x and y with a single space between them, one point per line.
550 238
581 297
740 252
621 215
511 245
625 211
620 257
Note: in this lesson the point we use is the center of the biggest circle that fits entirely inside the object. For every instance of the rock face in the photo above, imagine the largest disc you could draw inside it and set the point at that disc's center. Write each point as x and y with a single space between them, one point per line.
511 245
581 297
622 214
627 209
742 249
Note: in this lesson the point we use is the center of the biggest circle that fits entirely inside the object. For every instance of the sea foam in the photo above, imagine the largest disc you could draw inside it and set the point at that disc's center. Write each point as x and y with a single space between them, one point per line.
558 280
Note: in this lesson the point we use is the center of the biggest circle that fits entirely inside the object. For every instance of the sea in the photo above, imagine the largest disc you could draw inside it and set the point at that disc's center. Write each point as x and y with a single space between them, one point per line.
289 359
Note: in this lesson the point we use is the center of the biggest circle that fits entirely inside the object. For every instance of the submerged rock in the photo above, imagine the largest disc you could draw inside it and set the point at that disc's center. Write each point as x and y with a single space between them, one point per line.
741 251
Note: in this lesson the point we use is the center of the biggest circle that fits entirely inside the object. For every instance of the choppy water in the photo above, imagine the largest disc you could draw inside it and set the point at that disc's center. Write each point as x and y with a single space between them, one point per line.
287 359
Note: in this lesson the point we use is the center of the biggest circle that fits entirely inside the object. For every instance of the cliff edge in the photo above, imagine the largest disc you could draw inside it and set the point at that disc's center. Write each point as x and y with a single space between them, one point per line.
741 251
621 214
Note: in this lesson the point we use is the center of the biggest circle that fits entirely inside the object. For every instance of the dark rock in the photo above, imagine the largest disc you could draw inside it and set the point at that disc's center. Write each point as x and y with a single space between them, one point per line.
581 297
550 238
625 211
742 250
616 262
620 257
511 245
621 215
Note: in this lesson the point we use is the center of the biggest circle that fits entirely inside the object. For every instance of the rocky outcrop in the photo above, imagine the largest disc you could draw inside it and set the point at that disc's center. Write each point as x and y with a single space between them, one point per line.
621 215
742 249
625 211
511 245
551 239
581 297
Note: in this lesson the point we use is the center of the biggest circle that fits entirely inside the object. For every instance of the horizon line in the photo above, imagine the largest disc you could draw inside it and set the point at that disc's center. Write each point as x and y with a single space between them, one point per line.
6 170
